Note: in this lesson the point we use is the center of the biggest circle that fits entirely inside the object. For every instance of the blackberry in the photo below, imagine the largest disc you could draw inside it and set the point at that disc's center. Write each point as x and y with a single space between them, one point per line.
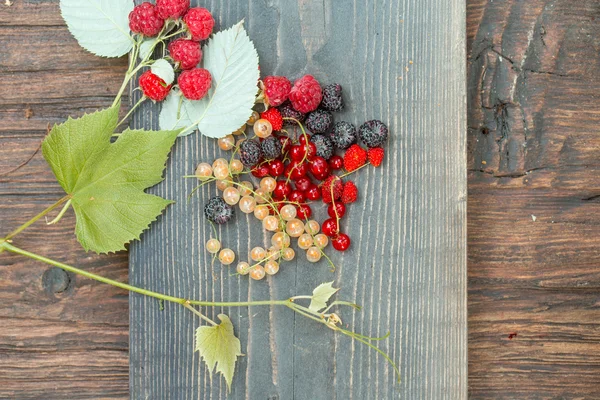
319 121
373 133
250 153
218 211
271 148
324 146
343 135
332 97
287 111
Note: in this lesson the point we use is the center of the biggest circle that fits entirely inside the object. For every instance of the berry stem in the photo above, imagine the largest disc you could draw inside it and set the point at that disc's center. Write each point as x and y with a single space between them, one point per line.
357 169
37 217
132 110
61 213
198 313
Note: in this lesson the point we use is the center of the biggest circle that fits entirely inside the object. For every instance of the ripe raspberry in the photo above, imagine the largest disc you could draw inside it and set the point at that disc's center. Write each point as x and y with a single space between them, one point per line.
173 9
332 97
153 86
343 135
250 153
373 133
186 52
338 188
287 111
350 193
271 148
319 121
306 95
144 19
375 155
274 117
277 90
194 83
354 158
199 22
324 146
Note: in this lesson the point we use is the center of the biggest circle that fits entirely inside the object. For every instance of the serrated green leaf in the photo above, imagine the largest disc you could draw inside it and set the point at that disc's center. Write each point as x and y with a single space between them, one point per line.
175 113
321 296
100 26
164 70
218 346
232 60
146 48
105 180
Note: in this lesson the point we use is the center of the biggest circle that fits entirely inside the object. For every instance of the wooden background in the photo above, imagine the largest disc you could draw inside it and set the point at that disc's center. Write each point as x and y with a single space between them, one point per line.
533 281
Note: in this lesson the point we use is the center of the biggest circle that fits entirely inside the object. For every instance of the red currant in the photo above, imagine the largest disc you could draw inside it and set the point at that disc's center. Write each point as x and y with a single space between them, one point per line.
297 153
311 150
336 162
276 168
260 171
297 196
286 143
304 139
282 190
303 183
330 227
341 242
340 209
319 168
313 193
303 212
296 170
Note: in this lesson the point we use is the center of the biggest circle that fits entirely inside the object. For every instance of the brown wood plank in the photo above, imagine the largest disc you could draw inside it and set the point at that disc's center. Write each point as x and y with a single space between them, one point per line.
533 148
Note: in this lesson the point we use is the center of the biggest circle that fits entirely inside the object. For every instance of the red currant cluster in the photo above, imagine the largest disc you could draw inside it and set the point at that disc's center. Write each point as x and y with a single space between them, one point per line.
149 20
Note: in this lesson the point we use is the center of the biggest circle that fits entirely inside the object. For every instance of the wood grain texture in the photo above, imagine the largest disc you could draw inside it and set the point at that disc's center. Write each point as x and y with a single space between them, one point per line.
401 61
61 336
534 183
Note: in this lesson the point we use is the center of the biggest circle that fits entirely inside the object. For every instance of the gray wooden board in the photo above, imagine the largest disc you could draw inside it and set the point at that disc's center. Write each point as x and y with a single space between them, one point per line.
401 61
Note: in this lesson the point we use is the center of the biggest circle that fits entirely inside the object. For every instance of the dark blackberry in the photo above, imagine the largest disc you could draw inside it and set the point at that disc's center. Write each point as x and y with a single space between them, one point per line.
373 133
319 121
287 111
250 153
332 97
217 211
324 146
343 135
271 148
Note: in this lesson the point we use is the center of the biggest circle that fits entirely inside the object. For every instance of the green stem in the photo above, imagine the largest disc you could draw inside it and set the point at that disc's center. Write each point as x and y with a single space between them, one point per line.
34 219
132 110
61 213
198 313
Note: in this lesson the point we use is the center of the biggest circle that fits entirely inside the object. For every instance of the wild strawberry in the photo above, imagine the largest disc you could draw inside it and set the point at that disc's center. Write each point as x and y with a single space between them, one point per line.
277 89
144 19
375 155
354 158
173 9
194 83
186 52
153 86
332 186
349 193
306 95
199 22
274 117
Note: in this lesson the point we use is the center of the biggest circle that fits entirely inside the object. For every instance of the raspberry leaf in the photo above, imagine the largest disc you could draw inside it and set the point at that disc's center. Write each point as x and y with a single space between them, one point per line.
105 180
175 113
218 346
232 60
321 296
164 70
100 26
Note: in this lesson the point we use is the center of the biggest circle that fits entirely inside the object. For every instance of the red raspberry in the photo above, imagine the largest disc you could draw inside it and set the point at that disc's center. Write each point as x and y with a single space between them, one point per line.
350 193
277 89
199 22
194 83
338 188
306 95
173 9
375 155
274 117
186 52
153 86
144 19
354 158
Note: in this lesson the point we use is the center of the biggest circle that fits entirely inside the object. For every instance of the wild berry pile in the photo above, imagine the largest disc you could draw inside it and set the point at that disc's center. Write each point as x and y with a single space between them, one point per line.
298 155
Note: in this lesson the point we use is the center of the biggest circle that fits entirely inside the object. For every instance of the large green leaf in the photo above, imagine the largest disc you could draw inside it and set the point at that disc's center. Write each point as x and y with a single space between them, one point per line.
105 180
218 346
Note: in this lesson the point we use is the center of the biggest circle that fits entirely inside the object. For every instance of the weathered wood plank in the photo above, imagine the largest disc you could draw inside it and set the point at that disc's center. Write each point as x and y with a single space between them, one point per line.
401 61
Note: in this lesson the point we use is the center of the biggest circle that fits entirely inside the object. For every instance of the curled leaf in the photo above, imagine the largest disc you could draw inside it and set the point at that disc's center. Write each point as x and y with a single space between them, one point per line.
321 296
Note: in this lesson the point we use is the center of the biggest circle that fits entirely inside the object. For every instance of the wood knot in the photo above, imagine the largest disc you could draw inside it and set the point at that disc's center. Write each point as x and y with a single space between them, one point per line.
55 280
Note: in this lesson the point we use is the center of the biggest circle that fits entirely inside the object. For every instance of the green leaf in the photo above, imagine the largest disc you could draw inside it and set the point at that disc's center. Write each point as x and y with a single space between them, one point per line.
232 60
175 113
105 180
100 26
321 296
218 346
146 48
164 70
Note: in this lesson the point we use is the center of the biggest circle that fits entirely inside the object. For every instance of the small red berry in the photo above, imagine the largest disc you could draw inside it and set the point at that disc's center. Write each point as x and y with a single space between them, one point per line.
336 162
341 242
303 184
173 9
297 152
296 170
354 158
286 143
277 89
282 190
375 155
199 22
330 227
319 168
311 150
297 196
276 168
194 83
333 185
153 86
144 19
303 212
312 193
274 117
185 52
303 139
260 171
306 95
349 193
338 212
